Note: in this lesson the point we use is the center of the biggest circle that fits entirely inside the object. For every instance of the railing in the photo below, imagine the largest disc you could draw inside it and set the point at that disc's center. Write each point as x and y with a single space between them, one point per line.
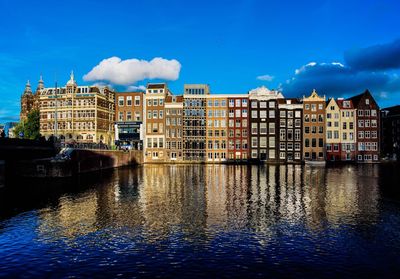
82 145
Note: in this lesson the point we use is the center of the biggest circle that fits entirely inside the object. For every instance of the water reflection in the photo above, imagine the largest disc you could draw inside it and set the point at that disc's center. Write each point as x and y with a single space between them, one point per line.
161 200
159 215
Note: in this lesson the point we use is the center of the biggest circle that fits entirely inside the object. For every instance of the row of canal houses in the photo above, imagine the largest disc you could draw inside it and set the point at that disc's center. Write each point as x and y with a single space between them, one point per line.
261 126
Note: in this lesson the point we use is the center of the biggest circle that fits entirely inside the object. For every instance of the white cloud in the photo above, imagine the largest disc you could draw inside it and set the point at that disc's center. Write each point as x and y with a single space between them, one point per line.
136 88
265 77
303 68
129 71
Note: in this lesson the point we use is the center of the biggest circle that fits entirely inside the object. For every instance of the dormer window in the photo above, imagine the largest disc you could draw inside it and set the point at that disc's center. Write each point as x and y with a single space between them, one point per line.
367 101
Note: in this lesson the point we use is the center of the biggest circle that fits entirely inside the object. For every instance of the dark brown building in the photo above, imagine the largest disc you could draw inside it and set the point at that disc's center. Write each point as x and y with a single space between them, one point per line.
290 130
238 127
390 132
367 118
264 120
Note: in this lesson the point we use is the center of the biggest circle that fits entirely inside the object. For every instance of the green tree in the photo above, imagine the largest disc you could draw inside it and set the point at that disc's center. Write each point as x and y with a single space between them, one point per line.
30 127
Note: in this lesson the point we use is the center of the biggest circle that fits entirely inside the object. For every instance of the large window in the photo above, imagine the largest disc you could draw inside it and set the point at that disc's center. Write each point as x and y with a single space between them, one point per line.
129 100
121 101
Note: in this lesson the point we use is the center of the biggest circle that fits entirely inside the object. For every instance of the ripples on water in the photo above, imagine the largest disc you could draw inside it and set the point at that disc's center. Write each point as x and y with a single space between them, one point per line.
197 220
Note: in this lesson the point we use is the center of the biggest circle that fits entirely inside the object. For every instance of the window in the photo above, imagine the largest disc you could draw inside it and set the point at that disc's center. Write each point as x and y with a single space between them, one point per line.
367 101
271 114
263 114
271 142
121 116
282 134
254 114
263 128
254 128
263 142
254 142
128 116
121 101
137 100
297 134
373 112
282 146
271 129
129 100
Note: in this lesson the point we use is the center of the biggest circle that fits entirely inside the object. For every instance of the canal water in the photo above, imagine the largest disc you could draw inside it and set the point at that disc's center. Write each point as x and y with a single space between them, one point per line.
205 220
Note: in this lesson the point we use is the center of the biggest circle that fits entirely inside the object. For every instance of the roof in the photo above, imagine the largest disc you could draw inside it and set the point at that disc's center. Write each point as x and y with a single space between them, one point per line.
156 85
342 104
178 99
356 99
293 101
133 92
391 111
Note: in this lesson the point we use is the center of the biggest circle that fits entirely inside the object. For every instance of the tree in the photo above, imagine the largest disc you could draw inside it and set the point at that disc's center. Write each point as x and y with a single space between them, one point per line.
30 127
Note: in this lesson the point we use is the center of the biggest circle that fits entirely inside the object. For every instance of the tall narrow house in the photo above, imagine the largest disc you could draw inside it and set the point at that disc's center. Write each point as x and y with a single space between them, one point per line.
367 127
154 145
264 117
194 122
314 126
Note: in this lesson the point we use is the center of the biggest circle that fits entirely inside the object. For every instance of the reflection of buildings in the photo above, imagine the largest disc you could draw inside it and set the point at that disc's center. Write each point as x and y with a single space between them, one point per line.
160 201
216 195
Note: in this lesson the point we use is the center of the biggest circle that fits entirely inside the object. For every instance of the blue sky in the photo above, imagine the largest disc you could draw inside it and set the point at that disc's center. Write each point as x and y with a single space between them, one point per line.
338 47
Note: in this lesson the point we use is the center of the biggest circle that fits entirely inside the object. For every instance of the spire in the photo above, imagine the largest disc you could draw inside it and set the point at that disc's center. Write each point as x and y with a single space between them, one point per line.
28 89
40 84
71 81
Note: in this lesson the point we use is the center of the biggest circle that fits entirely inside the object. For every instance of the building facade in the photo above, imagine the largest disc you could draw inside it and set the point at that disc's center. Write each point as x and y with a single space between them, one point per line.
29 100
264 117
238 128
333 140
368 124
348 130
154 150
216 131
194 121
129 119
290 130
390 131
82 114
314 126
174 128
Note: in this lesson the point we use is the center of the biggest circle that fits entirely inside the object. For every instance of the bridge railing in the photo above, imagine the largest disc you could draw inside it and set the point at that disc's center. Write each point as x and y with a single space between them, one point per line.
84 145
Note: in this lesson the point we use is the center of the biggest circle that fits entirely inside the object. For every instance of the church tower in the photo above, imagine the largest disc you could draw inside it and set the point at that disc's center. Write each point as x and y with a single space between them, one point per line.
27 100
